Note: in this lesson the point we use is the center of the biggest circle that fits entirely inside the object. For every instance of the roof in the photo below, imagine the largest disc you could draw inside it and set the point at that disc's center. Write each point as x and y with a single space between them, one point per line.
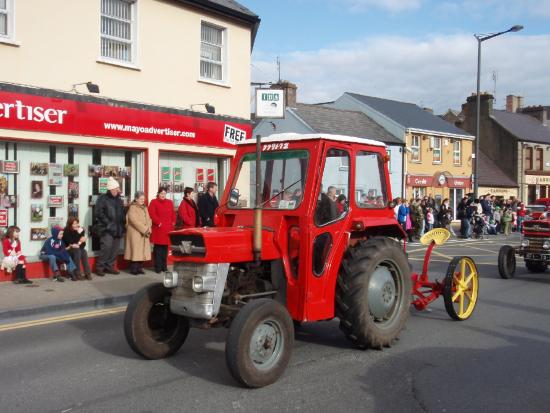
491 175
524 127
288 137
343 122
410 116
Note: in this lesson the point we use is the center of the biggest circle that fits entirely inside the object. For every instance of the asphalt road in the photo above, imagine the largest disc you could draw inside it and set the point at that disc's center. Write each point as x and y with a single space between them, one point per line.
497 361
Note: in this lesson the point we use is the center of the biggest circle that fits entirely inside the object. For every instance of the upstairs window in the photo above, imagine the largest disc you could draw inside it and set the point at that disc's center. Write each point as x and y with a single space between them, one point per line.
212 52
539 157
437 150
6 19
457 152
529 159
118 30
415 148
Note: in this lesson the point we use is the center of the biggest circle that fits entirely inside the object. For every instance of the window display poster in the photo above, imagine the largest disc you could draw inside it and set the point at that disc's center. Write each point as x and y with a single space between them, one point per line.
125 172
72 209
11 201
55 201
111 171
200 175
211 175
9 167
95 170
55 174
39 234
37 189
3 217
37 212
177 174
3 184
39 168
73 190
103 185
165 174
70 169
56 221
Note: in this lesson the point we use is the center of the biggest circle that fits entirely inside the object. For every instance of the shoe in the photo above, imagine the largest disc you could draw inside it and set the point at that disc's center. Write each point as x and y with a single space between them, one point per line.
89 276
140 271
113 271
59 278
99 273
25 281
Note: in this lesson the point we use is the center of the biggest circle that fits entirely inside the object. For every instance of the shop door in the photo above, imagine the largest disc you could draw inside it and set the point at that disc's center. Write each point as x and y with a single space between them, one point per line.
455 195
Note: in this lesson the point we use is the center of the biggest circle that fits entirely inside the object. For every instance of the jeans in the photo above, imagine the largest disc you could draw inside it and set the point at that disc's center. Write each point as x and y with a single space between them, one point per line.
465 228
108 250
160 257
52 259
520 224
79 255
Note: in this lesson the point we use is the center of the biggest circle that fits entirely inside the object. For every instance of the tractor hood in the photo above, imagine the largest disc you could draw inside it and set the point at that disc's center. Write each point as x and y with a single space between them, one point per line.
214 245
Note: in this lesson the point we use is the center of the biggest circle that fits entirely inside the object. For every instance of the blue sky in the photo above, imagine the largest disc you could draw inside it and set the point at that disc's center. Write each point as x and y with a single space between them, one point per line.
419 51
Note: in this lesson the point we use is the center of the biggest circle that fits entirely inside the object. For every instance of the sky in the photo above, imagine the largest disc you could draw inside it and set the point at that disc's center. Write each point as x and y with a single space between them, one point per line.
418 51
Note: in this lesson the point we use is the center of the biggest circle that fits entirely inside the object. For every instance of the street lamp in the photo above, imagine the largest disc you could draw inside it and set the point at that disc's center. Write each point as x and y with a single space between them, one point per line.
481 38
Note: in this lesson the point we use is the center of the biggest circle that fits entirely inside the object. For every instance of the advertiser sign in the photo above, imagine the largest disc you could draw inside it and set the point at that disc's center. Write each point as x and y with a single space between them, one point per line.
45 114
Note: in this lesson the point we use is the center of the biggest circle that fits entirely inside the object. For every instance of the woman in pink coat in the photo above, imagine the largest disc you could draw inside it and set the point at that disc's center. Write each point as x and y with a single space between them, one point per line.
162 214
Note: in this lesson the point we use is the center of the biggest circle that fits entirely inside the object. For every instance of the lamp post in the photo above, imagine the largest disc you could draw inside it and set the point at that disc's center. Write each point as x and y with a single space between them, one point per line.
481 38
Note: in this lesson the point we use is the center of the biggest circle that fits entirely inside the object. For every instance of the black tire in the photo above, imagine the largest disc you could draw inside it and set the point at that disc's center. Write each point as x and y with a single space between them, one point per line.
506 261
247 366
151 330
536 266
449 291
364 326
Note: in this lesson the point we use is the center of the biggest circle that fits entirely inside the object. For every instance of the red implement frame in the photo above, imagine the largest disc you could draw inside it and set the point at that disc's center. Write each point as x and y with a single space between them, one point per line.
424 290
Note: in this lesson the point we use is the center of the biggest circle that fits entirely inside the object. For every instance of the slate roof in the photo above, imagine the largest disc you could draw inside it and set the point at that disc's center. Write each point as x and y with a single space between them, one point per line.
524 127
343 122
491 175
409 115
228 5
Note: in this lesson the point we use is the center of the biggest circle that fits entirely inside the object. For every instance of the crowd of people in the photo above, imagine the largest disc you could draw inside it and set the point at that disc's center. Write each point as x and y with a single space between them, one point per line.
478 217
139 224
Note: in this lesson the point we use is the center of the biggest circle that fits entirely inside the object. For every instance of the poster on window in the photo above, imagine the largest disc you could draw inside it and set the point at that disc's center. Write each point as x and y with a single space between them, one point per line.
55 201
55 174
37 212
165 174
39 168
95 170
177 174
3 217
72 210
39 234
9 167
211 175
73 190
200 175
56 222
103 185
110 170
70 169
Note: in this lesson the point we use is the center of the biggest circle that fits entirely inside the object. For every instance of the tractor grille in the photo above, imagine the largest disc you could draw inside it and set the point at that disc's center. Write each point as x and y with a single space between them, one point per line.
536 226
535 245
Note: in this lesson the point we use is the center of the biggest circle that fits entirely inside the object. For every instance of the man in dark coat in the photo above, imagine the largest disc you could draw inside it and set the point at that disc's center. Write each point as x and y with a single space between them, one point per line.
207 205
109 226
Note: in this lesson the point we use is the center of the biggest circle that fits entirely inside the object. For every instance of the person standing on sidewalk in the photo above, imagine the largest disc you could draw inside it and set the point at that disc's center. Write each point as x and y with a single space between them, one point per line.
14 260
109 227
207 205
74 238
138 230
188 212
522 211
54 251
163 216
507 220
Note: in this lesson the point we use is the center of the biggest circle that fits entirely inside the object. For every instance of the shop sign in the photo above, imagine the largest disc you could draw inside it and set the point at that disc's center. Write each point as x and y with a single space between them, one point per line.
537 180
45 114
9 167
506 192
3 217
419 180
460 183
270 103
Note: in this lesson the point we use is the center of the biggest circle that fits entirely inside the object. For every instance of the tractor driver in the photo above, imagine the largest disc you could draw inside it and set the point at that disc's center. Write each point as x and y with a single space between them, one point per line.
326 206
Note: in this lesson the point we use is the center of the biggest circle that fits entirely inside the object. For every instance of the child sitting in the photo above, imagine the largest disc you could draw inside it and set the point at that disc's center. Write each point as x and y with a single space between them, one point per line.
54 251
13 258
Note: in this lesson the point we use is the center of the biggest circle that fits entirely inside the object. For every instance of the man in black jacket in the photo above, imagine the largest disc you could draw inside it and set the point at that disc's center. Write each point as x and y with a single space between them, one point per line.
207 205
109 226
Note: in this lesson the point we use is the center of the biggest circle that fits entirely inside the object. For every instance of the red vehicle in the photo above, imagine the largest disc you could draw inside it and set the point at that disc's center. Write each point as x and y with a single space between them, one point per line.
535 242
289 258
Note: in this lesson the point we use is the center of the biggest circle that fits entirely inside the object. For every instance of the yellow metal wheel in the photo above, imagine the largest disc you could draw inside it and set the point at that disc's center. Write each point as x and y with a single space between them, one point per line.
461 288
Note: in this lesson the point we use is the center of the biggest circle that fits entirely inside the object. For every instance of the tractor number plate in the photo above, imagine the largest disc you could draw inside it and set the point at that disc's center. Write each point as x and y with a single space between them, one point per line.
539 257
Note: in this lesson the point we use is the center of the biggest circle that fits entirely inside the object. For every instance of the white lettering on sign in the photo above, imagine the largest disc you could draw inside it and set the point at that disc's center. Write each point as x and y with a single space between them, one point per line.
459 183
275 146
38 114
418 181
233 135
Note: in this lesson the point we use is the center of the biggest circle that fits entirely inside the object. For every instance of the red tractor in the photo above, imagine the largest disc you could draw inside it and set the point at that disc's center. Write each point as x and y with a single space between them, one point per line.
305 232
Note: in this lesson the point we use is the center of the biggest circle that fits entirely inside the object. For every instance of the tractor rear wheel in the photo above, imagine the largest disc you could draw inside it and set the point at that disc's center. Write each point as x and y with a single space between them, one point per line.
536 266
373 293
151 329
506 261
259 343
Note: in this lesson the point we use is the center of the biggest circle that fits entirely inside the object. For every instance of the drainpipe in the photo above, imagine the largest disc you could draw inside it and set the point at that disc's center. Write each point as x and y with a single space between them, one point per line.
257 241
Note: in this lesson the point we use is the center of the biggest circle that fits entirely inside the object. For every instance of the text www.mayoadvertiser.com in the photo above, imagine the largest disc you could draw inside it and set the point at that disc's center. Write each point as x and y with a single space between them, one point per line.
148 130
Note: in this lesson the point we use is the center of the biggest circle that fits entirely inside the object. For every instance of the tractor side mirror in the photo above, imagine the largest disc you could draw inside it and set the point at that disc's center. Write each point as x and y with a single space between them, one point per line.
234 197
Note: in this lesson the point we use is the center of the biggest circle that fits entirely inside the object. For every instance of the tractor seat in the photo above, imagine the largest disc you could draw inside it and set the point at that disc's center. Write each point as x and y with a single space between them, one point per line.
437 235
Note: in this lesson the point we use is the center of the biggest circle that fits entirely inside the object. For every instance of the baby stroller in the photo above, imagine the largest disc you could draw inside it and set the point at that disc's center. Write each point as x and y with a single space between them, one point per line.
479 226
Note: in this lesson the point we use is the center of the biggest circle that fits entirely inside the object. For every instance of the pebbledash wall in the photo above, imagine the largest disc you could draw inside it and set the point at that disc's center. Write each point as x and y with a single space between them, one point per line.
58 148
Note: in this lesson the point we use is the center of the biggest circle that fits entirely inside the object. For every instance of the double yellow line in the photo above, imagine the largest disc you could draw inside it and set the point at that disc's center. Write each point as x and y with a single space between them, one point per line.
60 319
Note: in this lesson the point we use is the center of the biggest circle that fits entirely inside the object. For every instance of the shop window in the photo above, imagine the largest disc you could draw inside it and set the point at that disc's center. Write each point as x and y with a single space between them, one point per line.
6 19
370 186
436 147
539 157
529 159
212 52
531 194
118 30
418 192
415 148
457 152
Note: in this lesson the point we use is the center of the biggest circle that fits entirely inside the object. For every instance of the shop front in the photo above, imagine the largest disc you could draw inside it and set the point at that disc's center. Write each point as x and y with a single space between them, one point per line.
536 186
58 149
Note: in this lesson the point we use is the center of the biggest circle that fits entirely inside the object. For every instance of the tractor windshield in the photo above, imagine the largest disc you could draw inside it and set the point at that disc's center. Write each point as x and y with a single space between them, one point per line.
283 180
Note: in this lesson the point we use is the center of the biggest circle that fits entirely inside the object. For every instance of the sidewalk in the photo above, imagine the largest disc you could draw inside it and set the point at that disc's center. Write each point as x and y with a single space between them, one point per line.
46 296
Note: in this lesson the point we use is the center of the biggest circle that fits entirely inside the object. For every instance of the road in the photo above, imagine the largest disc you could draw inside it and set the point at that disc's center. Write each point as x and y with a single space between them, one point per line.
497 361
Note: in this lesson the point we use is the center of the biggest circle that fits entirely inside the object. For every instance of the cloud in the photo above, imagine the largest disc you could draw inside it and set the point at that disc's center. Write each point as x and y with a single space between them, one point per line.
437 72
389 5
504 9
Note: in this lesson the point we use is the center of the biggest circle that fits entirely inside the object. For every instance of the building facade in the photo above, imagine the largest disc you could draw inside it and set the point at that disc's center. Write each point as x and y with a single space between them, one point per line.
169 112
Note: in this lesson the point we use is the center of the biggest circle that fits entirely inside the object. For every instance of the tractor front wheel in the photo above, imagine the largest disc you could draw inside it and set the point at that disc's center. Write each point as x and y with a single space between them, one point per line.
259 343
506 261
151 329
373 293
536 266
461 288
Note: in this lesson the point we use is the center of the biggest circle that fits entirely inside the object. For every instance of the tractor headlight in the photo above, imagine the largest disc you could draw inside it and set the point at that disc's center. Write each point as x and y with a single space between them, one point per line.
197 284
546 245
170 279
524 242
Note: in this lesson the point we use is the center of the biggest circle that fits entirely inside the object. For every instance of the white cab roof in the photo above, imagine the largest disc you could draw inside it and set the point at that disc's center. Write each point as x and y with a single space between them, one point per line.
286 137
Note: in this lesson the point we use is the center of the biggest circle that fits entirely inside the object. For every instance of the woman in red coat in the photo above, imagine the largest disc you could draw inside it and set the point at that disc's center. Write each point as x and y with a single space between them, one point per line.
162 214
188 213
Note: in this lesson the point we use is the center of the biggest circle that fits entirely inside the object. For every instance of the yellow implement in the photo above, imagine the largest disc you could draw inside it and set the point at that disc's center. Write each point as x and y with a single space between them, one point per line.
437 235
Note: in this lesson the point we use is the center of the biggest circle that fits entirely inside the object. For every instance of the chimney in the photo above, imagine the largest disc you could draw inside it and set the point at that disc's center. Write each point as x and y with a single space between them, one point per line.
290 92
514 103
538 112
429 110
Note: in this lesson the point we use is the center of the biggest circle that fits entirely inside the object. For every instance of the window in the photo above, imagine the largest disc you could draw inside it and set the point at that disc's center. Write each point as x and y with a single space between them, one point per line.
415 148
539 159
436 150
389 160
212 52
6 19
457 155
529 159
370 186
118 30
332 202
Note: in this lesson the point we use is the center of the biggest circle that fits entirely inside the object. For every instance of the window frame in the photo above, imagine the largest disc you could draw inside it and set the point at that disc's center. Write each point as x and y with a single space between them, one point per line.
133 62
529 158
9 37
457 160
437 149
383 183
223 54
539 159
418 158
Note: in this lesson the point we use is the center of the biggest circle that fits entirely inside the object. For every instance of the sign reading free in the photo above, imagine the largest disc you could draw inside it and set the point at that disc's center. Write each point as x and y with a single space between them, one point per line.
270 103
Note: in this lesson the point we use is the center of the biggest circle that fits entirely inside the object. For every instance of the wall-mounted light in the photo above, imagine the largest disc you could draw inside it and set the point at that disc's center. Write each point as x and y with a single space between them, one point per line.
92 87
209 108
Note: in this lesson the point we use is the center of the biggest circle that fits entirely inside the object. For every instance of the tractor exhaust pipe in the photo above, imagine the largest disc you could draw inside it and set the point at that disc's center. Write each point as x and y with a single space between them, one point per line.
257 242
